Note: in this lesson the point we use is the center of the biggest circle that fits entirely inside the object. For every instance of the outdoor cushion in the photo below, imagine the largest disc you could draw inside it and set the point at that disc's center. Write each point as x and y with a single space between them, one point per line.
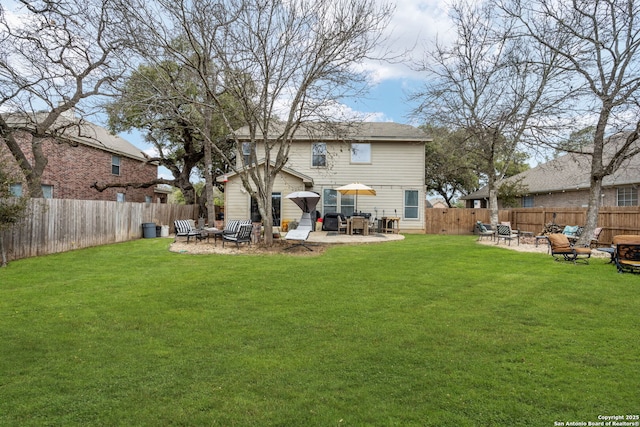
571 230
560 245
627 253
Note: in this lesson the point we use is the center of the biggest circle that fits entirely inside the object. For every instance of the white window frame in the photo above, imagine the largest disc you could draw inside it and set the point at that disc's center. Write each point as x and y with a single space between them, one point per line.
246 152
361 152
120 197
319 155
408 206
627 196
329 194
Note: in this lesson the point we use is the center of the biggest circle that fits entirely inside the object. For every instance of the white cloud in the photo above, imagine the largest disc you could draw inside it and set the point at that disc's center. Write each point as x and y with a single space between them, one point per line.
413 28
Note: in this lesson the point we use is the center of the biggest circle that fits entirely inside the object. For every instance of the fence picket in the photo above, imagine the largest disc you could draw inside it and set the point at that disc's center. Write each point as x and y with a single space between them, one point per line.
613 220
59 225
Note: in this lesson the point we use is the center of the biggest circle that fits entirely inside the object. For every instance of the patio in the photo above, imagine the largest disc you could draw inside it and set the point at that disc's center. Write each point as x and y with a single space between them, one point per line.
321 239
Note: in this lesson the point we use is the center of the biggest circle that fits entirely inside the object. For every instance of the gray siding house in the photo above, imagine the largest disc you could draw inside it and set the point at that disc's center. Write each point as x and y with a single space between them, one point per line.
565 181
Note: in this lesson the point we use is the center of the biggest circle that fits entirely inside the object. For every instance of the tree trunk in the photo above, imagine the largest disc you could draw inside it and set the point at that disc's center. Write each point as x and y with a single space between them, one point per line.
3 253
593 209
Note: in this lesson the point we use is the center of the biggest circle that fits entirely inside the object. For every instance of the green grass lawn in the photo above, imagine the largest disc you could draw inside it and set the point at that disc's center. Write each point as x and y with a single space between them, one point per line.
429 331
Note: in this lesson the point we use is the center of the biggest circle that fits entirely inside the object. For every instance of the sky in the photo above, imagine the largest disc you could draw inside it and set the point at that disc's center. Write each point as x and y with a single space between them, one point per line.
413 27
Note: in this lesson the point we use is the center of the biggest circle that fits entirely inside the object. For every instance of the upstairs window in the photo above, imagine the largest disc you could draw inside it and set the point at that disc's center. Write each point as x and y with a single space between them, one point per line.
246 152
115 165
319 154
360 153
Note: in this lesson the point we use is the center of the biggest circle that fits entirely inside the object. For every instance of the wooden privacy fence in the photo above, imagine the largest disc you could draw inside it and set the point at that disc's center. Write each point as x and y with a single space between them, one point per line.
59 225
613 220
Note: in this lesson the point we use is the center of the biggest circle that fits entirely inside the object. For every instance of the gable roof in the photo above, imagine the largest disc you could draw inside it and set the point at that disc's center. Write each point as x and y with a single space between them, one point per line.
362 131
571 172
306 179
80 131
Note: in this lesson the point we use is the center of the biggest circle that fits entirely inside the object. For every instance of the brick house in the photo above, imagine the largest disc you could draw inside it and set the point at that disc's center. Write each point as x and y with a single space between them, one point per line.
87 153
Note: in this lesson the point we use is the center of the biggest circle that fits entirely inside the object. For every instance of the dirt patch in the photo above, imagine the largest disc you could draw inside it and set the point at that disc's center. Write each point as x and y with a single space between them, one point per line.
281 248
528 245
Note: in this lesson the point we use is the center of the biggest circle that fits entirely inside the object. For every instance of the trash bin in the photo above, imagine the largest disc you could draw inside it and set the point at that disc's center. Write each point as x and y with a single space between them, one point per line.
148 229
164 231
158 231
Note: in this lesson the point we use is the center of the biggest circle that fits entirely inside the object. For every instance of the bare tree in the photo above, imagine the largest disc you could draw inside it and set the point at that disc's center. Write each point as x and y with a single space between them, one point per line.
54 57
599 42
281 62
490 84
161 100
12 209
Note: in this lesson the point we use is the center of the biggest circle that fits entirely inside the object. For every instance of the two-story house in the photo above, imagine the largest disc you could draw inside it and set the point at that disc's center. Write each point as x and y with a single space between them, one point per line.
388 157
81 154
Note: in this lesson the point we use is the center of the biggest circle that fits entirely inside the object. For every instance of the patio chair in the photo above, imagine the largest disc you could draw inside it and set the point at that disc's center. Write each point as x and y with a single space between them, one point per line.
560 246
485 230
627 253
343 225
572 232
596 236
505 232
243 235
186 227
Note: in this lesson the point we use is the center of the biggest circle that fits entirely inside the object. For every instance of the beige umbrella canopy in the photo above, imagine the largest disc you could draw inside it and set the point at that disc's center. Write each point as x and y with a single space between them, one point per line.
356 189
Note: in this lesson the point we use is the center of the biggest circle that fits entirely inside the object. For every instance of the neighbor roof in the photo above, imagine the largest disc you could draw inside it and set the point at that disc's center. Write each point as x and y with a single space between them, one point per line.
362 131
570 172
82 132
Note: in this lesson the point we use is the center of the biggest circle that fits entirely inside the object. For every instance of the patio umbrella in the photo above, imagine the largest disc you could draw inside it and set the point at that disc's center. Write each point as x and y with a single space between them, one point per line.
306 200
356 189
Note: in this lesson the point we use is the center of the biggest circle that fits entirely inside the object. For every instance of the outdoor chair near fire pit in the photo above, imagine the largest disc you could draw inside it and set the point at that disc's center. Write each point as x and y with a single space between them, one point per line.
485 230
186 227
243 235
627 253
560 246
572 232
504 232
595 238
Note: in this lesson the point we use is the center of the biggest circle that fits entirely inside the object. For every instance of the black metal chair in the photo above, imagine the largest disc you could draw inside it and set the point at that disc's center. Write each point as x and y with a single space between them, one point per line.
242 236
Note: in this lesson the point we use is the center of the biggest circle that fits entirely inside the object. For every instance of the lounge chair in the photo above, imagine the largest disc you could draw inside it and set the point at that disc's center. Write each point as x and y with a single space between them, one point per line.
560 245
301 233
243 235
485 230
627 253
505 232
186 227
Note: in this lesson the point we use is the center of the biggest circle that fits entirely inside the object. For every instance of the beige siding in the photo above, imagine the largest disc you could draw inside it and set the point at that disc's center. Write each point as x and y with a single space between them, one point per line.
394 168
238 201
